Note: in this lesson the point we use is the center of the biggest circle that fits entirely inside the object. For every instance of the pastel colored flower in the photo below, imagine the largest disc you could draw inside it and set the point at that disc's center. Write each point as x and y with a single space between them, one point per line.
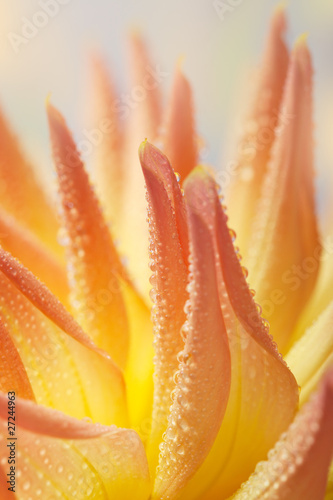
183 394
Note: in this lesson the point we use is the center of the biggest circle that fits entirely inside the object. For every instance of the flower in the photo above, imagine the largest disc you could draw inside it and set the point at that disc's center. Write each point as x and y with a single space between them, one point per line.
88 408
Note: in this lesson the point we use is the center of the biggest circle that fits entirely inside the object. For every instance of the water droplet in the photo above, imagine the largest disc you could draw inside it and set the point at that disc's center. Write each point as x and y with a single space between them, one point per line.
26 486
232 234
245 272
265 323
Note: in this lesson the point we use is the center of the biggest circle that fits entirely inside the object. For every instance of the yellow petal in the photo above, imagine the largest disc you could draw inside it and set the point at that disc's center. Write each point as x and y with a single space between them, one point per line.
297 467
21 193
24 245
263 394
322 294
139 369
203 377
13 375
259 133
67 372
169 280
286 217
61 457
312 355
92 258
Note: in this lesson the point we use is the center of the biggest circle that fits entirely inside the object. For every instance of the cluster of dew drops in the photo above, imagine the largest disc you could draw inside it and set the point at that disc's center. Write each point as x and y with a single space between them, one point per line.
245 272
233 236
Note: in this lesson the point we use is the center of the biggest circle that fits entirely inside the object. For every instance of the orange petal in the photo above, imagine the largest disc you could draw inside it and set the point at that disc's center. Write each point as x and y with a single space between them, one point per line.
70 374
312 355
96 296
24 245
298 465
203 378
155 161
21 194
286 218
60 457
259 133
13 376
264 394
169 281
107 137
142 108
180 142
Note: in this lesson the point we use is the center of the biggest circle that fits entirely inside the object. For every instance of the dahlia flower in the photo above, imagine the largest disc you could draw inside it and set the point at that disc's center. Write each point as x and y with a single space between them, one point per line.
200 391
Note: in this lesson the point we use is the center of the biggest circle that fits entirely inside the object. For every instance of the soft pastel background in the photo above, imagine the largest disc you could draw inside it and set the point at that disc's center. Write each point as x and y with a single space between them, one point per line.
218 56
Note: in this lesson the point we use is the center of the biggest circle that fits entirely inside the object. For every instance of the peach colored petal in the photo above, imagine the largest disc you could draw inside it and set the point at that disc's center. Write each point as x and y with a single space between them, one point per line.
70 374
298 465
108 142
140 367
149 113
312 355
264 394
169 280
94 264
13 376
179 139
39 295
323 292
20 192
259 133
203 377
24 245
141 107
61 457
286 218
159 164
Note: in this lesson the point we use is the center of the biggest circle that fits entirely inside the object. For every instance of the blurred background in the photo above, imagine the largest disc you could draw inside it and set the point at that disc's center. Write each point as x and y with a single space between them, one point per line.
220 41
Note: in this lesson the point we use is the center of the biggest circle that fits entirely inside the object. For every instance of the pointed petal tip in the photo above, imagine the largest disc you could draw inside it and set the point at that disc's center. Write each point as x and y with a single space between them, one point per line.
301 53
151 158
301 57
180 63
280 10
200 173
48 99
301 41
279 19
143 148
55 118
135 33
